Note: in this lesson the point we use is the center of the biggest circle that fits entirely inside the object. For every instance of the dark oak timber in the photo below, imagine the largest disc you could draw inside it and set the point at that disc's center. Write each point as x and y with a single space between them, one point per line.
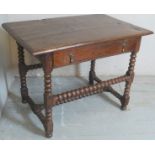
71 40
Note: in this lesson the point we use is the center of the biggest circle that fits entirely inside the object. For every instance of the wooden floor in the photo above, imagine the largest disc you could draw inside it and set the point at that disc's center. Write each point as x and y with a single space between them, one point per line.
94 117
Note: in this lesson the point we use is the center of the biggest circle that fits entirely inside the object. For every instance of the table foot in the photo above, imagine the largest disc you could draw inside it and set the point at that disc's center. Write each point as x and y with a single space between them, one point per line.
24 101
49 125
124 108
48 135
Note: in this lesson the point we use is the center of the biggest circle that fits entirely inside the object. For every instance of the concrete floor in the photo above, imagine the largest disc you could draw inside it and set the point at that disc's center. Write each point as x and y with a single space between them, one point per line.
94 117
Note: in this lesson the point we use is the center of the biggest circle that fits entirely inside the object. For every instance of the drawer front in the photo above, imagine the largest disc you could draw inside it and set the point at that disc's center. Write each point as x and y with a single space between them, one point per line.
94 51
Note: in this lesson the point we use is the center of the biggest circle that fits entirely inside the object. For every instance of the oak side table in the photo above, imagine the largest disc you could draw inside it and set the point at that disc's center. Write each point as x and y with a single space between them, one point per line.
70 40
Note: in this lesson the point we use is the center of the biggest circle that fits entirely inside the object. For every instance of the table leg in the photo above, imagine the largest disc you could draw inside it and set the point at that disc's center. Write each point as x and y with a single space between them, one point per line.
126 97
47 67
92 72
22 73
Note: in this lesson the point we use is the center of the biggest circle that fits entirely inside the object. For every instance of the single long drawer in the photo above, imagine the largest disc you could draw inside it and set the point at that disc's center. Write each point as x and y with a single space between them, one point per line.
94 51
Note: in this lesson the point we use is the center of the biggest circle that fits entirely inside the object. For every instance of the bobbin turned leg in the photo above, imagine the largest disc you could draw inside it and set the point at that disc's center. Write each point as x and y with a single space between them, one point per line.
47 67
126 97
22 73
92 73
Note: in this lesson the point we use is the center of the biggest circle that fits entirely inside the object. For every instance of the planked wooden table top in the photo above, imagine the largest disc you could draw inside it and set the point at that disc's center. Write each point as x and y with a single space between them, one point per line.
50 35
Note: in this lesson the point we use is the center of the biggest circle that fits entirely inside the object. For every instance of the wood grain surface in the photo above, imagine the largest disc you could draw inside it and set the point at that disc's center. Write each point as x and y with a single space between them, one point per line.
50 35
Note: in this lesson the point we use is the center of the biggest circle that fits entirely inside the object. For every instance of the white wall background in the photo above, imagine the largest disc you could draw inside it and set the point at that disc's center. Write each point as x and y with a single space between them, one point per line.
5 77
111 66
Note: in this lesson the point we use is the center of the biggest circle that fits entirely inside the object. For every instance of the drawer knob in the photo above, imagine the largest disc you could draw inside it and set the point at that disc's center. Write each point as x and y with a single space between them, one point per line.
71 58
124 45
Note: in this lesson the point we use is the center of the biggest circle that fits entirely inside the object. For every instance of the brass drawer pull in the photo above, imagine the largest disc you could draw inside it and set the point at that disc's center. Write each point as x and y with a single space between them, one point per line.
125 42
71 58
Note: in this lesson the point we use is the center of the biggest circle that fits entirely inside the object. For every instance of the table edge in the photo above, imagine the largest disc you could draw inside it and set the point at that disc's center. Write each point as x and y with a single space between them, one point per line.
52 50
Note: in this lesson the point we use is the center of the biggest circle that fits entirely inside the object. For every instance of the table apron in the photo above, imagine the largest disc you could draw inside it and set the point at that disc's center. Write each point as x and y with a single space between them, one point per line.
91 52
